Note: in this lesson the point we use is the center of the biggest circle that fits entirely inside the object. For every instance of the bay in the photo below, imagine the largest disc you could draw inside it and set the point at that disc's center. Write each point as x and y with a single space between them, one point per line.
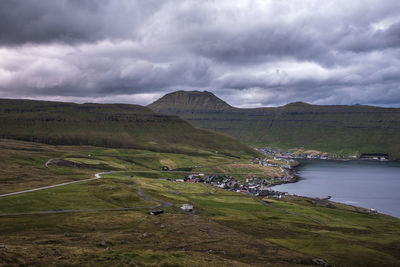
369 184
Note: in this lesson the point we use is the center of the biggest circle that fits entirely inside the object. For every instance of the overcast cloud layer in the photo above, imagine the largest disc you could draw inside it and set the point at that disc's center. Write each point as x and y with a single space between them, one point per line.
250 53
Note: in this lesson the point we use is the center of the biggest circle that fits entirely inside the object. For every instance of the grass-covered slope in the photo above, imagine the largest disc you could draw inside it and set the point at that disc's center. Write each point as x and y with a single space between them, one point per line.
109 125
226 229
330 128
105 222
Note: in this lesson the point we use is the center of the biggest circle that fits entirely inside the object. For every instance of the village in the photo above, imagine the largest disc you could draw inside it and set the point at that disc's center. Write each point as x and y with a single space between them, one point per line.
257 186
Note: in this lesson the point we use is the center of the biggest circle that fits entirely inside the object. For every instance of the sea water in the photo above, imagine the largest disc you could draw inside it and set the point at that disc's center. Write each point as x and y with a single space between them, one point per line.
369 184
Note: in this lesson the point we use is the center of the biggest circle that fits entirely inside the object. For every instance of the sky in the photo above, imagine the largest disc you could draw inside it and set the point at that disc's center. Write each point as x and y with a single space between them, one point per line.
249 53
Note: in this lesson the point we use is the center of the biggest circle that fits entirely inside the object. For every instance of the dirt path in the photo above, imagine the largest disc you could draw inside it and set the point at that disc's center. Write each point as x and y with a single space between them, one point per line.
143 195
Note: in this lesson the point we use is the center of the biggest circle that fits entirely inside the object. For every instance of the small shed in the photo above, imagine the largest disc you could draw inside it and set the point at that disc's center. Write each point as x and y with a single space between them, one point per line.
187 207
373 211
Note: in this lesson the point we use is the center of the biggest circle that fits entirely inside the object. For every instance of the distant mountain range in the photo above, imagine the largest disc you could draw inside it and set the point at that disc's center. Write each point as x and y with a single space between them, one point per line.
344 129
110 125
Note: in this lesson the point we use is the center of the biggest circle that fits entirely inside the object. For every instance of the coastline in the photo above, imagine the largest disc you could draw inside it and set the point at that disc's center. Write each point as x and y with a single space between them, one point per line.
295 177
359 189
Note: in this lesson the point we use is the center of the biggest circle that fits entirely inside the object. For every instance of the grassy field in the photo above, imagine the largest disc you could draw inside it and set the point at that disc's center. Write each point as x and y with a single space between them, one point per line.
226 228
335 129
22 165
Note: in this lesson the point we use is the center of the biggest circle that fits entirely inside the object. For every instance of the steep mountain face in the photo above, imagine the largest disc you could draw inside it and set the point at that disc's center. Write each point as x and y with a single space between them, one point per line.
109 125
353 129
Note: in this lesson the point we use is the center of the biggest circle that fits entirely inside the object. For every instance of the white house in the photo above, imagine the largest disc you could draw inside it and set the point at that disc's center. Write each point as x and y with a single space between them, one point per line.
187 207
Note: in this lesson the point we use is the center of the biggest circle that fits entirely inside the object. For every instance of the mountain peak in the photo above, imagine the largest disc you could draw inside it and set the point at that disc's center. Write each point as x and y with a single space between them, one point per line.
298 104
189 100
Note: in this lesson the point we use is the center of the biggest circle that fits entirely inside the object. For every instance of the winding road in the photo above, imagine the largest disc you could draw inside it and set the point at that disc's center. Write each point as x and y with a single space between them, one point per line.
96 176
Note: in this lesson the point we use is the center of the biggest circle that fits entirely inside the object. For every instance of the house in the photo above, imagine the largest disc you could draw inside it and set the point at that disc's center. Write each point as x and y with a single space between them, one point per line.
373 211
187 207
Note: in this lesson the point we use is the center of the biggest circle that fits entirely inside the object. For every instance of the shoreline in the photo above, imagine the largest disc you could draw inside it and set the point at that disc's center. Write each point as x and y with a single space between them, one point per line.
338 197
296 177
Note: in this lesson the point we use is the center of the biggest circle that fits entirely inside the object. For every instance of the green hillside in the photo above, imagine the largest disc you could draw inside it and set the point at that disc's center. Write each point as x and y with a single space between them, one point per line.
348 129
110 125
106 222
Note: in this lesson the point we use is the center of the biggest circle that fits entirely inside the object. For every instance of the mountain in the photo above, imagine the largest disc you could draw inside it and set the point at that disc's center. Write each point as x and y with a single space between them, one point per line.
109 125
345 129
182 101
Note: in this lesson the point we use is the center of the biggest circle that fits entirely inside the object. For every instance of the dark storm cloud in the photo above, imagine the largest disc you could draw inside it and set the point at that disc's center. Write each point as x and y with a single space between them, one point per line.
139 75
251 53
319 36
71 21
265 43
372 39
